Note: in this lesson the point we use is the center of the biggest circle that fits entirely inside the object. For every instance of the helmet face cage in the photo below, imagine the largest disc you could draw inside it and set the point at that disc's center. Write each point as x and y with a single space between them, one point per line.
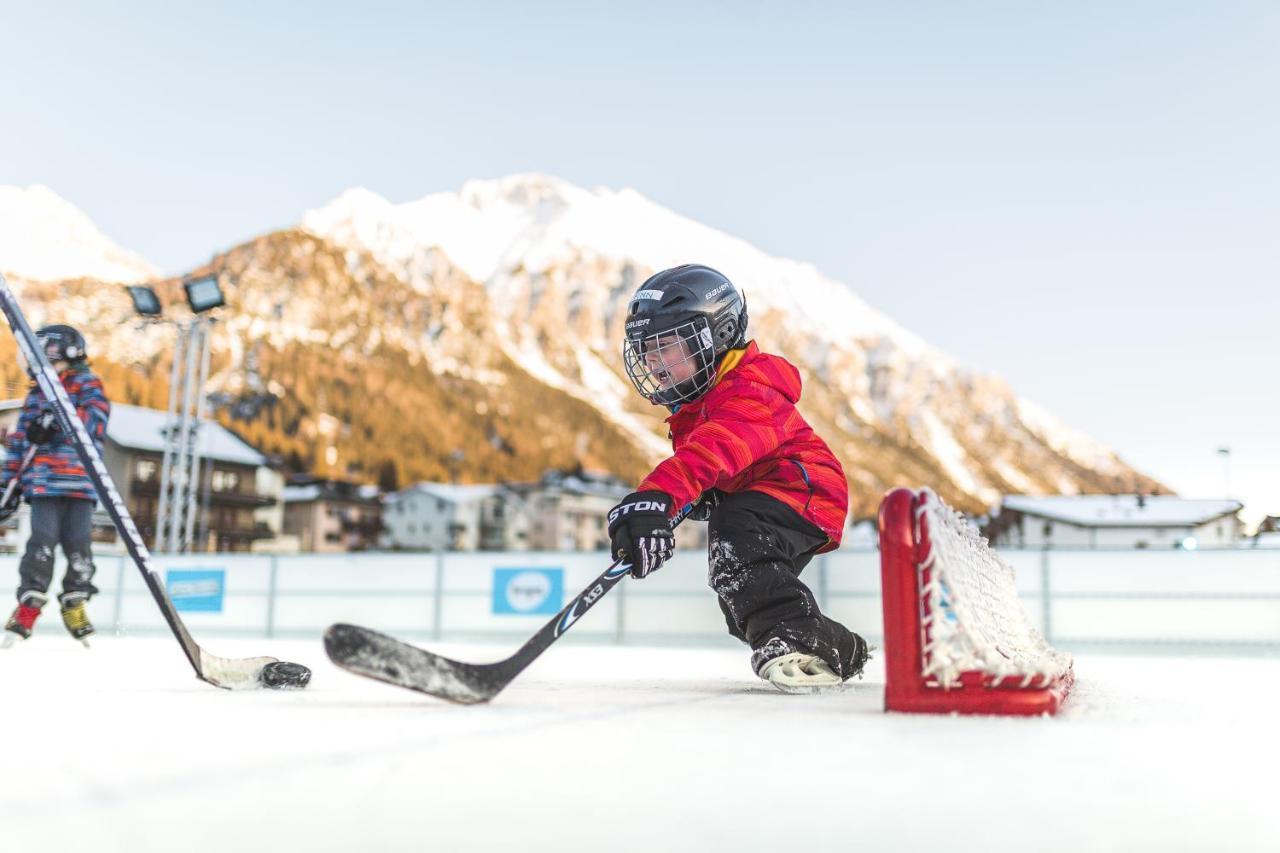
61 343
673 366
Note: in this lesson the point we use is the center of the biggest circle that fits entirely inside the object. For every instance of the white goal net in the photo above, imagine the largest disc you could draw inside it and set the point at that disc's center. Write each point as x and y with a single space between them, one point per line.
971 619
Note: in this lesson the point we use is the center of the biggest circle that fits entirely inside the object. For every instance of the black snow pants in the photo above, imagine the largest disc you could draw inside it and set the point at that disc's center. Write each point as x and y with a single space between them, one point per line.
54 521
757 548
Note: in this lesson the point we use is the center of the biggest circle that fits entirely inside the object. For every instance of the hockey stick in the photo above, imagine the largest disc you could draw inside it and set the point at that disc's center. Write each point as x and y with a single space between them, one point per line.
220 672
373 655
8 506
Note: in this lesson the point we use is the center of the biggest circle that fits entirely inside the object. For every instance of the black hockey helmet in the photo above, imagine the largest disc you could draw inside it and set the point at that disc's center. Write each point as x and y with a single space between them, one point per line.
61 343
679 325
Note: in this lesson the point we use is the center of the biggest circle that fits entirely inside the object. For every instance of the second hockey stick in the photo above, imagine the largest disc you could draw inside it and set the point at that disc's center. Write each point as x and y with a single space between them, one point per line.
374 655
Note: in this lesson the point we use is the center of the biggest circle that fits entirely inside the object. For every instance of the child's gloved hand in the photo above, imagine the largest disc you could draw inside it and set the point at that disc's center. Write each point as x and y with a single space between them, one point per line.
43 427
640 531
703 507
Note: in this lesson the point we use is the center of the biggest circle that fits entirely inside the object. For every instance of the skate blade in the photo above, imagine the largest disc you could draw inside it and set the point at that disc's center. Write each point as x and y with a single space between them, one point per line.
10 640
799 672
808 688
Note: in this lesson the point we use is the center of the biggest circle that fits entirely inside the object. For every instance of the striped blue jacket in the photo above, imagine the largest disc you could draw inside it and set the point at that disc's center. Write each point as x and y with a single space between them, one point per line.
55 471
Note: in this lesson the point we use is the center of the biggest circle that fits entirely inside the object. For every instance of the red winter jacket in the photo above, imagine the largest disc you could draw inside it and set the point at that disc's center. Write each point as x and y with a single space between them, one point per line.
746 435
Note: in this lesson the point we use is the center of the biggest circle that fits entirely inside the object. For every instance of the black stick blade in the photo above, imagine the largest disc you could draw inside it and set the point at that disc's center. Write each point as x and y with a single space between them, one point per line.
373 655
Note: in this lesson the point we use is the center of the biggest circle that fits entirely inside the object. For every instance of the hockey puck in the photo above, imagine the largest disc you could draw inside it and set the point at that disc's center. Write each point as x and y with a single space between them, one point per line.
282 675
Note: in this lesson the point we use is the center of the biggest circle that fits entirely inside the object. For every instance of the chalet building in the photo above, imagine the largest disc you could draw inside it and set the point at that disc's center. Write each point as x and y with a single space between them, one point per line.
443 517
1115 521
560 512
332 515
228 491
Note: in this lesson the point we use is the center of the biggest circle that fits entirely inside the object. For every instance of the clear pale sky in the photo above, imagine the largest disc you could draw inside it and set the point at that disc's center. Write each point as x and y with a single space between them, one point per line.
1083 198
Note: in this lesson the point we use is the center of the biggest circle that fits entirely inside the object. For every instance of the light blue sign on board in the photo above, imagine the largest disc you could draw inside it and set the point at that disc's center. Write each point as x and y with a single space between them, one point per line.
528 592
197 590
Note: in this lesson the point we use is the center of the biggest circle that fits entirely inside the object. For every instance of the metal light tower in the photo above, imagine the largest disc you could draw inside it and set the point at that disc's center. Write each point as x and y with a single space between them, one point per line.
178 503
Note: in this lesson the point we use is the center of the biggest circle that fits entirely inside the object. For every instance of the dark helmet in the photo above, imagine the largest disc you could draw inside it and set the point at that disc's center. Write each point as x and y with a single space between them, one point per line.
67 344
680 323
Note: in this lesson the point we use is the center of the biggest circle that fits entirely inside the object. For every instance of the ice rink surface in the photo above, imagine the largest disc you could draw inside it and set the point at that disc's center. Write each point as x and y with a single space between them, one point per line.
119 748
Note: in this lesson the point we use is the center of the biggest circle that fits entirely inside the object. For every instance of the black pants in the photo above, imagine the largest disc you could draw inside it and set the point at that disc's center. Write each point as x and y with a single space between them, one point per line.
54 521
757 548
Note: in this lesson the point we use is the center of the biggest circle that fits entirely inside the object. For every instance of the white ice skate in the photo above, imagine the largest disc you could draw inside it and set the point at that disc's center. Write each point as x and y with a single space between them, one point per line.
798 672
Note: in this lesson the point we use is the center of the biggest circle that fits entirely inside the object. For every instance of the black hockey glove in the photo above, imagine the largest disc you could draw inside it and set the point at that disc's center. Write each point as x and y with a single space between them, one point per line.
43 428
641 533
704 505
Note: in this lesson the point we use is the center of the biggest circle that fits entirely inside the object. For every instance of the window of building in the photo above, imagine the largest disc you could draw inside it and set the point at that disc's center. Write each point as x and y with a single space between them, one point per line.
225 481
144 510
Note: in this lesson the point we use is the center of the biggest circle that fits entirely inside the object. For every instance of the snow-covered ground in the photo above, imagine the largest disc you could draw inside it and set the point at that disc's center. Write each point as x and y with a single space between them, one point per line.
620 748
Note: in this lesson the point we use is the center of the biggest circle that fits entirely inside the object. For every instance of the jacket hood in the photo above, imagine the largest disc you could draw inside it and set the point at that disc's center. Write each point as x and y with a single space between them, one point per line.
772 371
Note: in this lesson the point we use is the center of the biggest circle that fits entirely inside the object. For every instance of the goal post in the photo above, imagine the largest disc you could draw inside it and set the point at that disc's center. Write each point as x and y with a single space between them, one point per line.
957 637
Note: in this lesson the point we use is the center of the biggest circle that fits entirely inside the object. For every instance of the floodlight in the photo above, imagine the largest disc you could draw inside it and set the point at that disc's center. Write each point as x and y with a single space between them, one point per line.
204 294
145 301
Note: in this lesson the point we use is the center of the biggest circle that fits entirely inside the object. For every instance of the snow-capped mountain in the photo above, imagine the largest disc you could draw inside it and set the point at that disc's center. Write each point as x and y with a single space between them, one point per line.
43 237
559 263
477 335
535 224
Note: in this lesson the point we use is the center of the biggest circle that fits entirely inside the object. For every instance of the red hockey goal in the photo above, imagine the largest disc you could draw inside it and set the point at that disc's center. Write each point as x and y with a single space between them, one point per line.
957 638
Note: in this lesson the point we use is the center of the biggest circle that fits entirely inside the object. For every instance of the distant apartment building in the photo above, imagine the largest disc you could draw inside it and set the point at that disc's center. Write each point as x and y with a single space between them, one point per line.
567 512
440 517
559 512
1115 521
332 515
1268 534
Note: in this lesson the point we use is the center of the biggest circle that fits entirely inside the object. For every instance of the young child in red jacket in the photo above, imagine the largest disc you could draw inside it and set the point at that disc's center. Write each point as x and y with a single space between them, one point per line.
771 489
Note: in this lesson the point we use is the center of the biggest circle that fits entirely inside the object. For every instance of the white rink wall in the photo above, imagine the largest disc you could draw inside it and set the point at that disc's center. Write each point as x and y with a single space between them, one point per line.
1209 600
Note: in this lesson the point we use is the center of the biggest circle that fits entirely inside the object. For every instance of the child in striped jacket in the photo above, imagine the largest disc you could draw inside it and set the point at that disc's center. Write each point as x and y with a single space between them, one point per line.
59 491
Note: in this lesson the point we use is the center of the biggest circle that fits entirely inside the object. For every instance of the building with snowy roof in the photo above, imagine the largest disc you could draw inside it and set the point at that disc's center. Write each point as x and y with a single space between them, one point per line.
569 511
332 515
1115 521
562 511
436 516
235 485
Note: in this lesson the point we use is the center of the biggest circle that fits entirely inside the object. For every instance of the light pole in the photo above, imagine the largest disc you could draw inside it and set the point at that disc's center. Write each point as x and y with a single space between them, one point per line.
1225 453
177 504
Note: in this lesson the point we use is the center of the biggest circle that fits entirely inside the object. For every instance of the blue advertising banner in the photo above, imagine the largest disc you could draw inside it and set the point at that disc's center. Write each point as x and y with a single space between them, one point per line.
528 592
196 590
